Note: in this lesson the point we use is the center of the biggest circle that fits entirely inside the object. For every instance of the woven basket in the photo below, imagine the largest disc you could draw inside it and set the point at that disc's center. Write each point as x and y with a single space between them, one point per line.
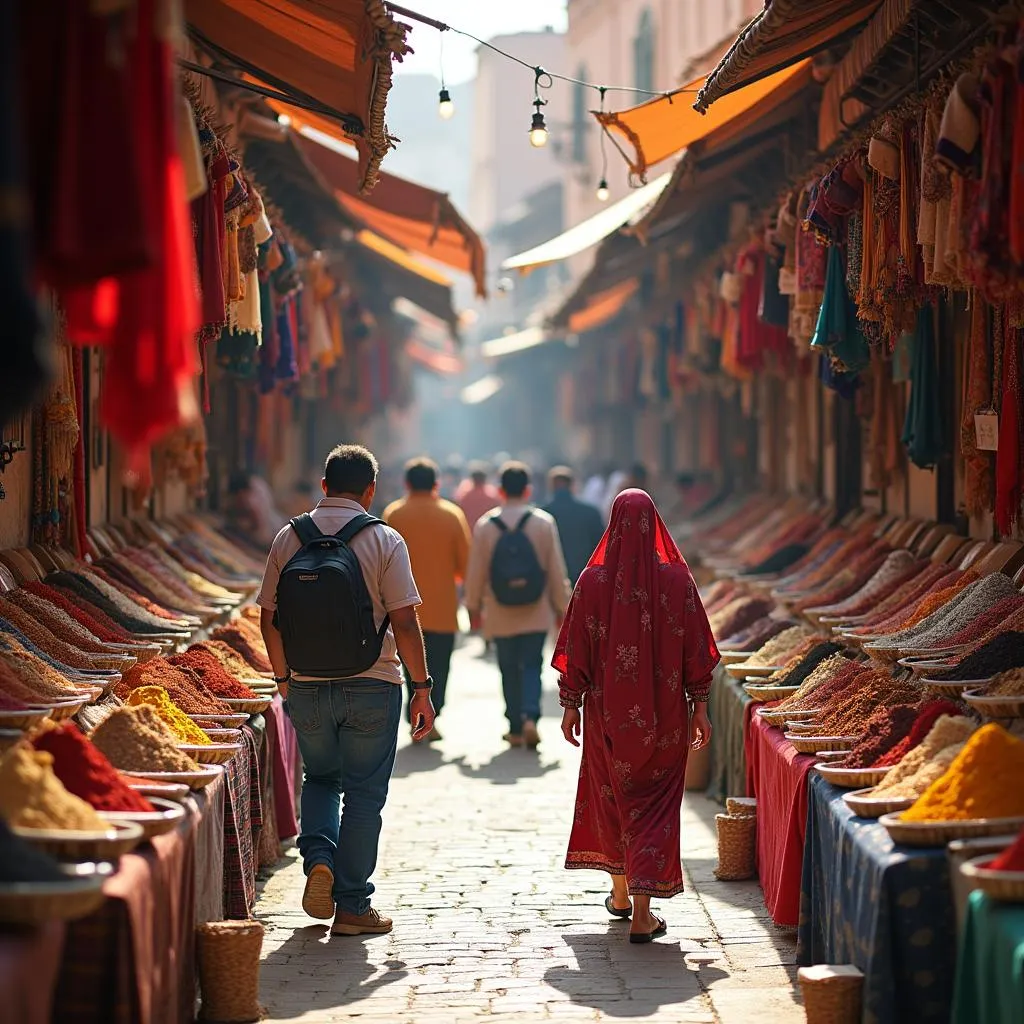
737 846
832 994
229 970
740 805
995 707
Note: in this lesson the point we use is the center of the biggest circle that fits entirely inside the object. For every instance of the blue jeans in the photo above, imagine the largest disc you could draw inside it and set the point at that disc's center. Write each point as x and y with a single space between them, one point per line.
519 661
348 736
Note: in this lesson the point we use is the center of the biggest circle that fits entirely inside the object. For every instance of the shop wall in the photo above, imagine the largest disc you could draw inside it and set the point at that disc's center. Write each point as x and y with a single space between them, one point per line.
16 507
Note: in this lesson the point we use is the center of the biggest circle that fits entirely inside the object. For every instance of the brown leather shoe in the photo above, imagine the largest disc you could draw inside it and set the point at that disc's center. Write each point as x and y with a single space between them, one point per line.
513 739
370 923
531 738
317 900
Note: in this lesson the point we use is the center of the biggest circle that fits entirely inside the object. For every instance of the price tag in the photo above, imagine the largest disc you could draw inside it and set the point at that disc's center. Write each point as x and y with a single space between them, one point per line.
986 431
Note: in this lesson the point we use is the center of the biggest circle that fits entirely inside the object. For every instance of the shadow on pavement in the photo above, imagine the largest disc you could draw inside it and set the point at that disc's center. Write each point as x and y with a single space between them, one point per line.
658 975
508 767
324 975
419 757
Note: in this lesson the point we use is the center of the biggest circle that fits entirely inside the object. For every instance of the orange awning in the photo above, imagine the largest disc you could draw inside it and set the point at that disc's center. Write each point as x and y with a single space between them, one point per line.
663 127
785 32
397 255
603 307
412 216
334 55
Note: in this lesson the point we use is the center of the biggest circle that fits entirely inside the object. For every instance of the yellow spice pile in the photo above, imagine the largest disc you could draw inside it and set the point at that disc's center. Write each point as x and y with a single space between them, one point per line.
175 719
31 795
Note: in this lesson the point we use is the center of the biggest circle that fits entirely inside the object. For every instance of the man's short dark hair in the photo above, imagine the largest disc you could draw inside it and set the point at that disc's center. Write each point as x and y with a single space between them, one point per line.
421 474
515 479
639 473
685 480
560 476
479 472
350 469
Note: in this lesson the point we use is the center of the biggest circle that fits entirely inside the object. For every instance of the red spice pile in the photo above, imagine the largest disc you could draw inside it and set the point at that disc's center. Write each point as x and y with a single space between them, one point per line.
928 714
183 686
108 631
86 772
213 674
245 638
1012 858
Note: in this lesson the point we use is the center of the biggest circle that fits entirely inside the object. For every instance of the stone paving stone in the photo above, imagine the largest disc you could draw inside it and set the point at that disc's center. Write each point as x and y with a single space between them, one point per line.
488 925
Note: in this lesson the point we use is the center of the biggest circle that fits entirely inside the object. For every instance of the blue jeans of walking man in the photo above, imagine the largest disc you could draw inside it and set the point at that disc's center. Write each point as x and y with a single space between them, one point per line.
520 659
348 736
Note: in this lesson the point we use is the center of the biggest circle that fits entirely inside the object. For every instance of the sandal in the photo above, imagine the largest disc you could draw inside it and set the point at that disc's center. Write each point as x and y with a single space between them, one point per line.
614 911
642 937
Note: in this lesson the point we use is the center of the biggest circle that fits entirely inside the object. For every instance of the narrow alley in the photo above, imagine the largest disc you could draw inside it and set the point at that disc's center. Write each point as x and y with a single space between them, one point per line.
488 926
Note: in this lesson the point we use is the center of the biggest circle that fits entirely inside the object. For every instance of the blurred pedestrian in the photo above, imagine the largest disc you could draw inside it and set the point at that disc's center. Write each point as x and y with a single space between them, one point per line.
517 578
635 656
475 496
436 533
580 525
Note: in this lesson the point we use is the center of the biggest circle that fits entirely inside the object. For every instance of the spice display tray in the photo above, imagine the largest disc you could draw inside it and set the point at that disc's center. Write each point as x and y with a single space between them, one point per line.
210 753
743 669
864 805
1005 886
938 833
8 737
951 687
762 693
224 735
223 721
64 709
850 778
259 683
199 779
920 668
773 716
885 655
23 719
163 790
72 844
812 744
32 903
995 707
827 756
933 653
803 728
250 705
735 657
167 815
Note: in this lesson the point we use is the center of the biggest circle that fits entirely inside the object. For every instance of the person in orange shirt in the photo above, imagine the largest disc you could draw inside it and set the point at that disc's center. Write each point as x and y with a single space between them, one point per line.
437 535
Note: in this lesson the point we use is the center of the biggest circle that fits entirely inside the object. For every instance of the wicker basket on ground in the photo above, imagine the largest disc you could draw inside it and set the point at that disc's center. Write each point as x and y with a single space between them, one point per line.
832 993
737 846
229 971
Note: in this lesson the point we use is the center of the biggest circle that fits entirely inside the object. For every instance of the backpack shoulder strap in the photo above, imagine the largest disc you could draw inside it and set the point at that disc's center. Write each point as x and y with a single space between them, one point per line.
354 526
522 522
499 522
306 529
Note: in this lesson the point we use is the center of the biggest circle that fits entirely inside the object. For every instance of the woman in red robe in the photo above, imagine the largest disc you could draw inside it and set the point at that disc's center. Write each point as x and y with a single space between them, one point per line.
636 655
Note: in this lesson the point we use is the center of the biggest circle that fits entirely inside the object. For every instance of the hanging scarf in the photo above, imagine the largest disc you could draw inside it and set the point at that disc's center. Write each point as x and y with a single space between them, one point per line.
838 331
923 435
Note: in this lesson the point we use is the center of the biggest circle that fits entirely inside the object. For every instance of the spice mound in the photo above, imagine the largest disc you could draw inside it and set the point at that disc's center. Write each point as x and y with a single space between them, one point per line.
244 636
1007 684
982 782
1012 858
883 730
213 674
184 729
184 687
135 739
1003 651
32 796
85 772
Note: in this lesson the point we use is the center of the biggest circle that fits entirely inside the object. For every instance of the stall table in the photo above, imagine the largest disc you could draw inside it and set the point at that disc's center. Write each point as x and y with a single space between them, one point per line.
886 909
777 777
990 970
728 708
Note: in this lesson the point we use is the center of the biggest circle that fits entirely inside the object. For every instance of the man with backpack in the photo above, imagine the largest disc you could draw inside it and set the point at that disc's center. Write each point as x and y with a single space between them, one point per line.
339 619
517 578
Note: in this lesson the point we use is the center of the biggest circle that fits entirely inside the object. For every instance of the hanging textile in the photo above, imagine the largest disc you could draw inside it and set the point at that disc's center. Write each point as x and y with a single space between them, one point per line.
838 332
885 455
923 434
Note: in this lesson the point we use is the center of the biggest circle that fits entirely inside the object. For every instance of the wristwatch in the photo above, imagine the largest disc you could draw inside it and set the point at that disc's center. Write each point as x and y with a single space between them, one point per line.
283 679
428 685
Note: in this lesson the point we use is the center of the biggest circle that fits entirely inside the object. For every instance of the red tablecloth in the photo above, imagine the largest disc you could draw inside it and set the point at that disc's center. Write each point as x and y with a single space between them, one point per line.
284 745
777 777
29 963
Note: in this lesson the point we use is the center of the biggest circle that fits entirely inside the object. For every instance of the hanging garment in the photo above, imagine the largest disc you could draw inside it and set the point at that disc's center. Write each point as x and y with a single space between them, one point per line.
838 332
923 434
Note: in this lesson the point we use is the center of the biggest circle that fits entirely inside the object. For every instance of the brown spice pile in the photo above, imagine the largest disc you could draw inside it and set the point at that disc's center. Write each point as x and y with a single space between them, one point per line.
136 739
1007 684
848 714
44 680
183 686
227 656
244 637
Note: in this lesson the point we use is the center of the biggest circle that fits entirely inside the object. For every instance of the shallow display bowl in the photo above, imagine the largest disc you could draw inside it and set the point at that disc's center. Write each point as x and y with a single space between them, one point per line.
259 684
198 779
884 655
938 833
10 737
762 693
74 844
234 721
62 710
864 805
35 903
210 753
744 670
224 735
953 688
165 816
176 791
850 778
24 719
1005 886
735 657
1000 706
802 728
922 666
252 706
827 756
813 744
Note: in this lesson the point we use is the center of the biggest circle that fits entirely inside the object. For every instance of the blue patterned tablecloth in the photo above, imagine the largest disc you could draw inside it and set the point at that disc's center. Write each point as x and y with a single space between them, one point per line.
886 909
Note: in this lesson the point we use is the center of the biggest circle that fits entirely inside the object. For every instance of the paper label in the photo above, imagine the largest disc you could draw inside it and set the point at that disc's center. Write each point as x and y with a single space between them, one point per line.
986 431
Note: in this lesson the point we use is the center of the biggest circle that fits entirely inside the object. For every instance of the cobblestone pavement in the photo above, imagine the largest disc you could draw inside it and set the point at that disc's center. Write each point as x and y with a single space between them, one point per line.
488 925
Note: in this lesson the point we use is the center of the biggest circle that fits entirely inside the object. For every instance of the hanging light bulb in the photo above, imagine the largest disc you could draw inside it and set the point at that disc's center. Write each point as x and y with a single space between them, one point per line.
284 120
445 107
538 127
602 191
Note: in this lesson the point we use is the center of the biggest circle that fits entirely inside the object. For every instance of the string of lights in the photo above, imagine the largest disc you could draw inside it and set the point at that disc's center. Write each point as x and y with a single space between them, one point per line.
543 79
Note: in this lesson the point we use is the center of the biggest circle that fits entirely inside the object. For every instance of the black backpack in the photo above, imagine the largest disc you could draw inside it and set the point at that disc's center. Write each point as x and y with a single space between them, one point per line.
324 611
517 577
